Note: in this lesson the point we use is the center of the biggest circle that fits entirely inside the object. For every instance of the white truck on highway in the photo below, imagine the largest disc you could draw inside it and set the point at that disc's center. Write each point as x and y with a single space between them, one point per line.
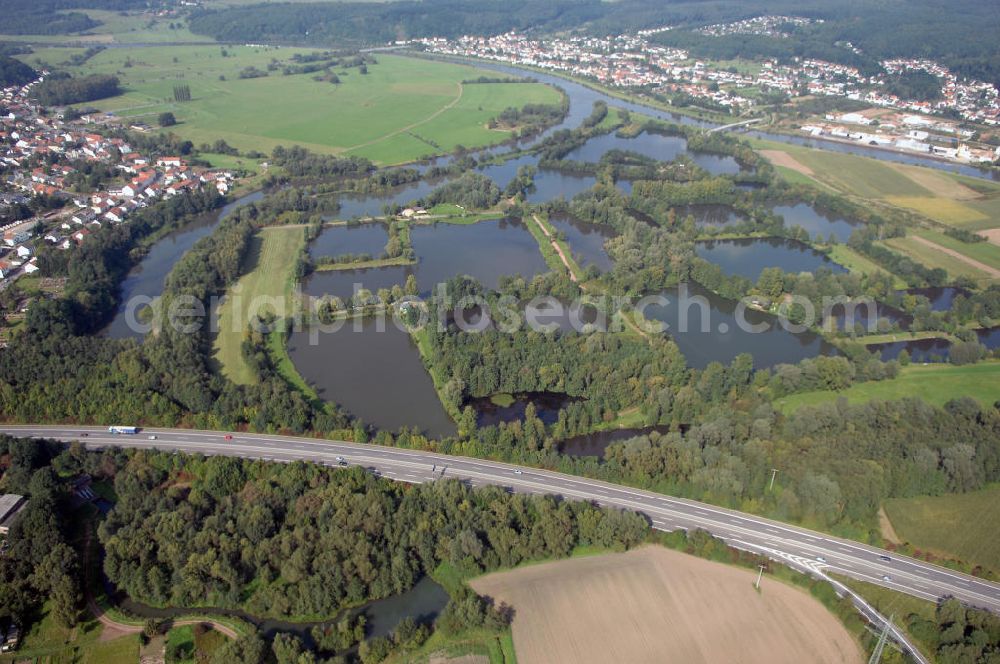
120 429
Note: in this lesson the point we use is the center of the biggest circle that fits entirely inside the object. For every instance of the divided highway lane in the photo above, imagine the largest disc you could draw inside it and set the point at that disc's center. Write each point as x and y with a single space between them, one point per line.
801 547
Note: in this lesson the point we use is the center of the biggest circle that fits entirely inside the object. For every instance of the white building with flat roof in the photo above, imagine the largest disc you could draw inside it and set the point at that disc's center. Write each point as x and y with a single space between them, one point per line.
11 506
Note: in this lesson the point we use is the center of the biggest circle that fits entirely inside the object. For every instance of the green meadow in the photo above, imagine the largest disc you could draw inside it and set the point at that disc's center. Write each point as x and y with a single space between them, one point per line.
958 525
934 383
401 110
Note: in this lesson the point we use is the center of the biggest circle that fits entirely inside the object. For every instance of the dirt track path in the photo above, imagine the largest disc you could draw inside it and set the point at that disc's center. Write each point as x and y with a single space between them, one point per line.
450 104
112 628
993 272
555 245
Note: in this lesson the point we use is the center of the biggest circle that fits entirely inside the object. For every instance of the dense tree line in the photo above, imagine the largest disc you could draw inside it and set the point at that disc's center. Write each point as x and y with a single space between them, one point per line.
63 91
363 23
299 162
15 72
837 461
303 540
957 633
39 564
597 115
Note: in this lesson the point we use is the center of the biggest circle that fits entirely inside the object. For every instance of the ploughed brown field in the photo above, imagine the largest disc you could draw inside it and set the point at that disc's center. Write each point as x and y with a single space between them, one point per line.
657 605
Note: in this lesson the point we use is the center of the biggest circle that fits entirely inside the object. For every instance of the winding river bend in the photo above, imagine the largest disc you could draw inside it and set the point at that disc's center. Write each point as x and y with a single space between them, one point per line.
423 602
146 280
582 98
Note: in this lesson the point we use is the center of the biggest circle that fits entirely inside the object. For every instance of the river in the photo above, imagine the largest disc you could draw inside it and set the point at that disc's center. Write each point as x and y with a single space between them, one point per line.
423 602
146 280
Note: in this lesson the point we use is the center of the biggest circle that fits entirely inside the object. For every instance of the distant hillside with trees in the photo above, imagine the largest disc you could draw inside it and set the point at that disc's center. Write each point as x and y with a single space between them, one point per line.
960 34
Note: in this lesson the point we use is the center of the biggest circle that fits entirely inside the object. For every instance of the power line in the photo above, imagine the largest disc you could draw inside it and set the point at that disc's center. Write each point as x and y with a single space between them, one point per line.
880 646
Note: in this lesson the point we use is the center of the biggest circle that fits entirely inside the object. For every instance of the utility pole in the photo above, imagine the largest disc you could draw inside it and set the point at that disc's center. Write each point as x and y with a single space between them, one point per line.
759 574
774 471
883 637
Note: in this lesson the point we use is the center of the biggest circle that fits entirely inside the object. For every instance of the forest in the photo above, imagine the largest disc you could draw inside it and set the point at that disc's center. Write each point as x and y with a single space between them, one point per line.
60 91
296 541
958 35
313 540
40 563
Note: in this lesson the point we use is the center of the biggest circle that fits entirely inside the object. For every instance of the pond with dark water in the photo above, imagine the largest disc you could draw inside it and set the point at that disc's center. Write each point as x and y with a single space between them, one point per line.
939 297
596 444
709 328
374 374
920 350
547 406
819 225
363 205
353 239
485 250
749 257
989 337
654 146
586 241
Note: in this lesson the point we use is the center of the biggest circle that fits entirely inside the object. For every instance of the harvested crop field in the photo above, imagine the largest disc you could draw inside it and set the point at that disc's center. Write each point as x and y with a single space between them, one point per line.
658 605
780 158
992 235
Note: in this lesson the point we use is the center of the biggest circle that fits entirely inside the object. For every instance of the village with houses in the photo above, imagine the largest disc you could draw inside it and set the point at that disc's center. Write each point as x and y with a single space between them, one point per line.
633 61
39 154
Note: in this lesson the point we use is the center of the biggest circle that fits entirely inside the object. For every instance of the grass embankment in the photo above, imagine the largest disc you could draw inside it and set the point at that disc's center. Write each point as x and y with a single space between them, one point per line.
934 383
855 262
401 110
891 337
360 265
266 285
548 241
962 526
423 341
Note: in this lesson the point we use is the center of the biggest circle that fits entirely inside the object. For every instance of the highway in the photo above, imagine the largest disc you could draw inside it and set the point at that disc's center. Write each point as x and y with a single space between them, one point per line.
801 548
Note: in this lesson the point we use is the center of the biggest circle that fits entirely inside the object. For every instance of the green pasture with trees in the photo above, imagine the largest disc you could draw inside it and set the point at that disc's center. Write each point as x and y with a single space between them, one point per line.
400 109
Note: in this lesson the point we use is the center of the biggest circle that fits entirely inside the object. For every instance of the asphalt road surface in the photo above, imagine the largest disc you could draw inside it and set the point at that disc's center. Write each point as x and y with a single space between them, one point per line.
802 548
